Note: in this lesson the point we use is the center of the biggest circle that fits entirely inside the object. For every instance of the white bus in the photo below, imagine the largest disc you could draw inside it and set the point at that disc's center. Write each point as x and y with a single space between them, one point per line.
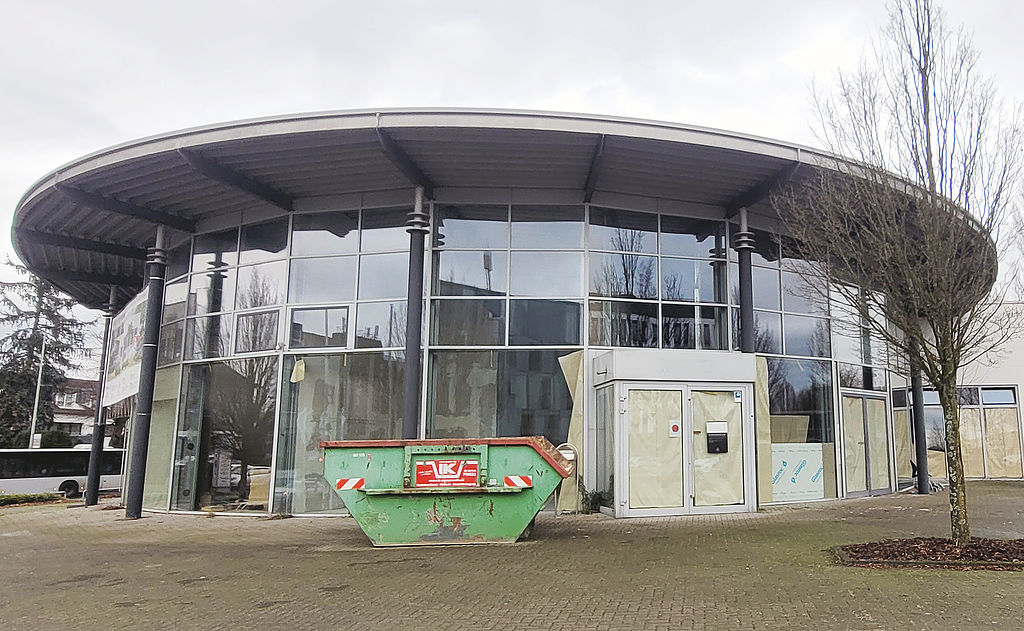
55 470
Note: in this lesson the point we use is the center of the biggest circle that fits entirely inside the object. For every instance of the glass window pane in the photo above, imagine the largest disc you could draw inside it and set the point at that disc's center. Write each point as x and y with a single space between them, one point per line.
547 227
682 236
899 398
765 287
385 229
539 322
806 336
930 397
175 300
256 332
216 249
556 274
211 292
325 233
208 337
322 280
356 396
623 230
459 273
799 296
177 259
383 276
169 350
967 396
679 279
767 332
224 438
468 322
846 341
678 326
471 226
998 396
623 275
261 285
381 325
263 241
713 328
711 282
319 327
517 393
623 324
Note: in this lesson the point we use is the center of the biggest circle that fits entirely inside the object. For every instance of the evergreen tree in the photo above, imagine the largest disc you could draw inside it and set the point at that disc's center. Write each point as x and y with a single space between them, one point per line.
32 310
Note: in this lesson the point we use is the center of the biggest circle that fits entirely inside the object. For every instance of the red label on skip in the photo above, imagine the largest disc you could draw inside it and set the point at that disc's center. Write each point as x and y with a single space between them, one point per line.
446 473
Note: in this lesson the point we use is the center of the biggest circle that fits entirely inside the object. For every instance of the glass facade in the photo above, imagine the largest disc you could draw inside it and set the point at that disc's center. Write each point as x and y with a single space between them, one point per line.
280 334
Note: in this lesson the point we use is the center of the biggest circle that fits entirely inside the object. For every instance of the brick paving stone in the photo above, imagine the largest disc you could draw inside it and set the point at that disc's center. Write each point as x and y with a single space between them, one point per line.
66 567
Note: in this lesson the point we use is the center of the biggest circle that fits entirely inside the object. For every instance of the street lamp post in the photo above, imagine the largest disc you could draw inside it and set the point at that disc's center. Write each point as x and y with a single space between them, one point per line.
35 405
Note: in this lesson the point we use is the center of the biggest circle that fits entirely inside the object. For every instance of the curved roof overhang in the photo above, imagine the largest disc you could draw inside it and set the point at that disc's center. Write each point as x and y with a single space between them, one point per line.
85 227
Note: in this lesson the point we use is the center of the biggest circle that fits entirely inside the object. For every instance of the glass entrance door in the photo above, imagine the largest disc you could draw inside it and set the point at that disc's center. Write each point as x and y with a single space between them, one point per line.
685 450
866 451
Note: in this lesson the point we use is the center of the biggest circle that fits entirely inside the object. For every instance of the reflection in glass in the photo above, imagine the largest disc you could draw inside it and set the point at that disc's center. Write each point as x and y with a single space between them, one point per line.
846 341
678 328
319 327
468 322
216 249
682 236
223 453
767 331
261 285
679 279
177 260
385 229
623 324
208 337
547 227
510 393
322 280
799 296
256 332
713 328
471 226
554 274
623 275
966 396
766 247
169 349
806 336
263 241
383 275
381 325
325 233
355 396
998 396
459 273
541 322
211 292
623 230
175 300
764 284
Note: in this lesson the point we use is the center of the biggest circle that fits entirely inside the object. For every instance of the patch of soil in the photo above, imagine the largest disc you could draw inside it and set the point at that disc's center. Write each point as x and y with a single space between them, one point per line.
982 554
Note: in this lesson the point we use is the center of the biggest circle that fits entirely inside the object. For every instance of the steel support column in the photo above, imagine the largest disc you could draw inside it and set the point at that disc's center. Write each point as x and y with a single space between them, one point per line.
92 484
920 440
744 245
157 262
418 225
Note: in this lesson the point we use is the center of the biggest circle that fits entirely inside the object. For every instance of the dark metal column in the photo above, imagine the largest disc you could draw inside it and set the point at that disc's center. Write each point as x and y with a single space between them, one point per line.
92 483
419 222
920 444
157 262
744 246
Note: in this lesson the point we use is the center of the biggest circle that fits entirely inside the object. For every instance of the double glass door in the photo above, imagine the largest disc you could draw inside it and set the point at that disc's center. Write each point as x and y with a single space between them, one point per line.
866 440
684 448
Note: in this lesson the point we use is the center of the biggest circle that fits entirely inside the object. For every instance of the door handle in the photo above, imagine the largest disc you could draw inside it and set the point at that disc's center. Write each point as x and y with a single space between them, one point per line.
696 431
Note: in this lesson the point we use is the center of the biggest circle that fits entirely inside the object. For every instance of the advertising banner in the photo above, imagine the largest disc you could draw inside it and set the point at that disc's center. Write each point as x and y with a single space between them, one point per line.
124 354
797 472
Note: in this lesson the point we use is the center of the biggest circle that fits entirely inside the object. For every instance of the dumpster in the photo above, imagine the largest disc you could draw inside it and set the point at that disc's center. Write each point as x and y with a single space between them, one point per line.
422 492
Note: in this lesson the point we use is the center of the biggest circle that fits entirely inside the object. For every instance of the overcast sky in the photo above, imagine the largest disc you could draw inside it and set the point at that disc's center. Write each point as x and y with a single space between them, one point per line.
79 76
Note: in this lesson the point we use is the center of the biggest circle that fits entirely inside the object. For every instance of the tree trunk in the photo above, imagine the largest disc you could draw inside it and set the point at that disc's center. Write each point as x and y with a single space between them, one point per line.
960 528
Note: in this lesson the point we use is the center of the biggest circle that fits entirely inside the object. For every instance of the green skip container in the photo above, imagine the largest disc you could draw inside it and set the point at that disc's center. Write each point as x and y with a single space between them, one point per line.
429 492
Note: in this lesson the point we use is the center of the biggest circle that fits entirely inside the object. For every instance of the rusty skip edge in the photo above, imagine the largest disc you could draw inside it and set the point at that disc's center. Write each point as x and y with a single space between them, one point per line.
540 444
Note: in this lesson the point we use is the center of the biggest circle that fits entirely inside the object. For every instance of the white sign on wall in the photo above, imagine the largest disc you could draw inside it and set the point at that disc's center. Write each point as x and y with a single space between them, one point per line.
124 351
798 472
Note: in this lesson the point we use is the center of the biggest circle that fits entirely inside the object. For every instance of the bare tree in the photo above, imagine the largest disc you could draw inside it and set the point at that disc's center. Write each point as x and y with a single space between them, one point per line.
911 218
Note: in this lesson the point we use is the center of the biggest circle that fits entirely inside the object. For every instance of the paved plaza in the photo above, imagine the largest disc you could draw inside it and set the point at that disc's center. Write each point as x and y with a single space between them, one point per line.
69 567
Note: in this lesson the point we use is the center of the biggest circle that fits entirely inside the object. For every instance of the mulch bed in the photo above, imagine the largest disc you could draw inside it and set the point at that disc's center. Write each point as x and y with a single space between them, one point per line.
934 552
